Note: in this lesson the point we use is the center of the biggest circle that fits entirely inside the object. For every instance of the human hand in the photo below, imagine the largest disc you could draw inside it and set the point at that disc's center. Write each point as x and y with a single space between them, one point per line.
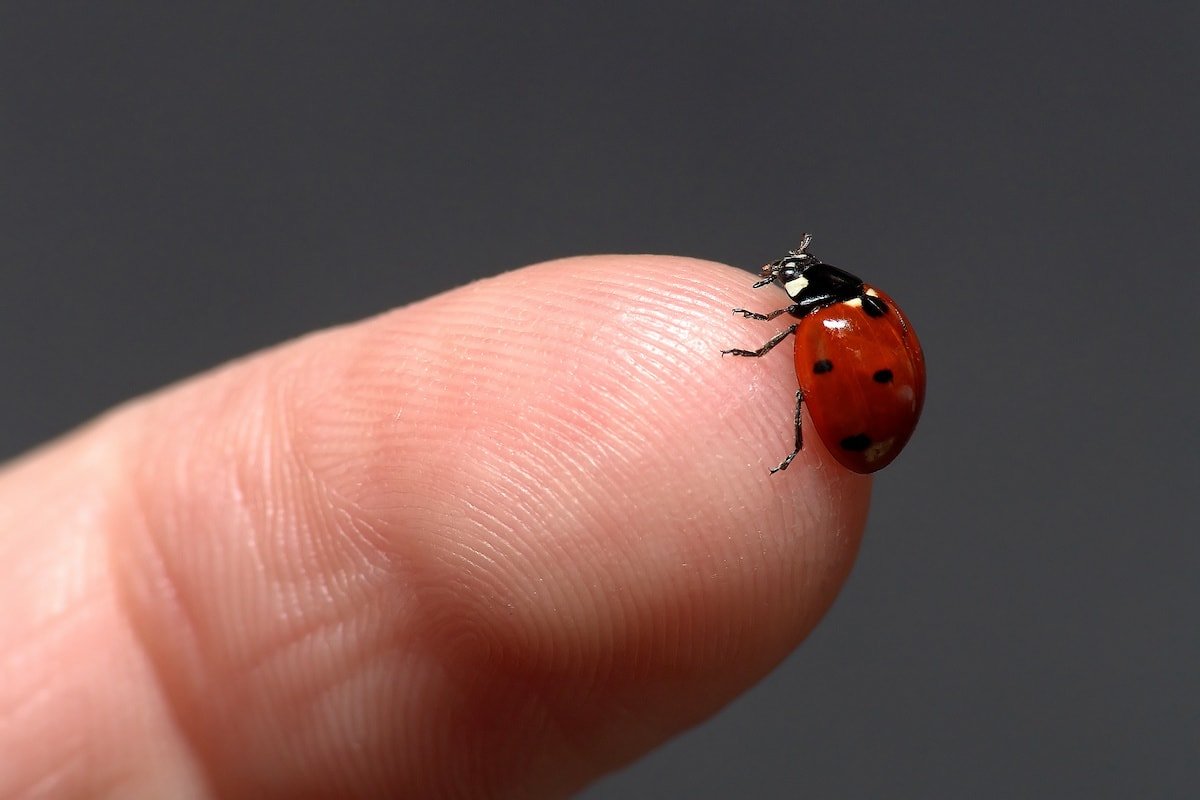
496 543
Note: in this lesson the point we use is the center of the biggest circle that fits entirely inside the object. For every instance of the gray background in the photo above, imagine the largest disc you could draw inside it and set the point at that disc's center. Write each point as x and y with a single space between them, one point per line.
181 186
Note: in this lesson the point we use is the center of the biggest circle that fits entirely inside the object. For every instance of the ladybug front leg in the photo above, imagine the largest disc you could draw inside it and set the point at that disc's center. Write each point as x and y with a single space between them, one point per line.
766 317
799 435
766 348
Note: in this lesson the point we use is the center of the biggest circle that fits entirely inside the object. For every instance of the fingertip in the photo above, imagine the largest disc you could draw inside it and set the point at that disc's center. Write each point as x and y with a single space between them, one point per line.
580 414
546 490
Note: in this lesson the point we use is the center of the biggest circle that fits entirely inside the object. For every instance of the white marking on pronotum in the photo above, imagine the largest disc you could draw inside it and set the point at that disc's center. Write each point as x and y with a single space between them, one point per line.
796 285
872 292
854 302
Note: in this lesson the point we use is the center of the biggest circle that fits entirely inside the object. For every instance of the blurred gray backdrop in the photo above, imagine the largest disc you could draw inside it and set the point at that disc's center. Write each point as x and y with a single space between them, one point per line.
181 183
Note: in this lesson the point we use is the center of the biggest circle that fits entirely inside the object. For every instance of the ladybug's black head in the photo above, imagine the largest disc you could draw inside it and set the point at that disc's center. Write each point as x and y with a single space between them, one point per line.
791 269
810 282
788 270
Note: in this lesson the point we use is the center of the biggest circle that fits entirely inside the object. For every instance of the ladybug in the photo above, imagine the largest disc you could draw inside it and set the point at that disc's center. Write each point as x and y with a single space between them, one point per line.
858 361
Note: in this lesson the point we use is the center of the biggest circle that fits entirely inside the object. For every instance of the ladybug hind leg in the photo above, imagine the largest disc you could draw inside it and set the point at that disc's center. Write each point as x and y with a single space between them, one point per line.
799 434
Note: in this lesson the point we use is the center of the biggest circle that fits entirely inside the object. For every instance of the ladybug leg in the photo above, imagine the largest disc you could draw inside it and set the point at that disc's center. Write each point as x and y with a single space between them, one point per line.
799 435
766 317
766 348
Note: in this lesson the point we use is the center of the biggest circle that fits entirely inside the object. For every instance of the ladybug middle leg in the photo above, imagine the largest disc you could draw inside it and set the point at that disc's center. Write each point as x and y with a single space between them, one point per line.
766 348
766 317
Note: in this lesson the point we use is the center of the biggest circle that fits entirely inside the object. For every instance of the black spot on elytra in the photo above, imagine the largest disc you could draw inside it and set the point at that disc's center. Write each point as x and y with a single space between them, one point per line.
883 376
873 306
856 443
822 366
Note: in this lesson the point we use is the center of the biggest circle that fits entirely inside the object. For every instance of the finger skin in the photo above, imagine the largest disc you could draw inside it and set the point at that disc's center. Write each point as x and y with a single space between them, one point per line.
496 543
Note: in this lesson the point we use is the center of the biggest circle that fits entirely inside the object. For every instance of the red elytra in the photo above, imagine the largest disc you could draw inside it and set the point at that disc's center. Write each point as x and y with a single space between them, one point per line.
863 379
859 364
